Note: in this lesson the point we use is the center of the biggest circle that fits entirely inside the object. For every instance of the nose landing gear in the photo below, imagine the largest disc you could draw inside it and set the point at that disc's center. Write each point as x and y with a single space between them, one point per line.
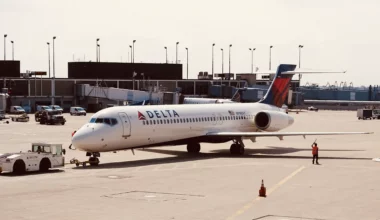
93 160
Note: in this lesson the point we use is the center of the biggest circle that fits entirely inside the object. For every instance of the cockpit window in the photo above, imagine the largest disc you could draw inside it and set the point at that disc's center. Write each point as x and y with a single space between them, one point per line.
109 121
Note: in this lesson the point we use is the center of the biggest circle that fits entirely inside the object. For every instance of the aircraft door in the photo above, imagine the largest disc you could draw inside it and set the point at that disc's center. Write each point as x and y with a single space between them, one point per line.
126 124
214 119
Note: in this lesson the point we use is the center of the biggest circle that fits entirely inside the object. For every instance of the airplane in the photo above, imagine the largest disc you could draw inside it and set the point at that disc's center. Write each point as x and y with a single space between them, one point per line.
132 127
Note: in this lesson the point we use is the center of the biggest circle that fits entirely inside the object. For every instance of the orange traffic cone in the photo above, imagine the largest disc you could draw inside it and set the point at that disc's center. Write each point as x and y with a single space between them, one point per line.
263 190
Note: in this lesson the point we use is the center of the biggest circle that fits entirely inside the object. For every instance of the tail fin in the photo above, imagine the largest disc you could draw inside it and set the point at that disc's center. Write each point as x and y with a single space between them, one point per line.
237 96
279 88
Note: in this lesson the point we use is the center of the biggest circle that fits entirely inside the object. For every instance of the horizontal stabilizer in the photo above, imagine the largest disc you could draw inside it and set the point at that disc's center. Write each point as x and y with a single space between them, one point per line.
276 134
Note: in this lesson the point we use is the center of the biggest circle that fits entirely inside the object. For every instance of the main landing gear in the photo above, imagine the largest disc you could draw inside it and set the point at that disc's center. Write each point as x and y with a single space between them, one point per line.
237 148
93 160
193 148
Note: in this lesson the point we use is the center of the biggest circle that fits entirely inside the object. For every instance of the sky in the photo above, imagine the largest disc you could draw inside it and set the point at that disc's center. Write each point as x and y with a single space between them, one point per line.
336 34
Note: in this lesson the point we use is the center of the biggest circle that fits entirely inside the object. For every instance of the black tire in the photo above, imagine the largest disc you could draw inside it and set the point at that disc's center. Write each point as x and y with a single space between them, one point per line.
19 167
13 119
84 114
45 165
94 161
71 114
63 123
194 148
42 122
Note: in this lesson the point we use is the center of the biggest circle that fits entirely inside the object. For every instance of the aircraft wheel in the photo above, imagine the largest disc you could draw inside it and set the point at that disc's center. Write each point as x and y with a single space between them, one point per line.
193 148
237 149
94 161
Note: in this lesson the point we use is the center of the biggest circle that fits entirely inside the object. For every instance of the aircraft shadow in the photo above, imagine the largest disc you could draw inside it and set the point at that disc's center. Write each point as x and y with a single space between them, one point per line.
31 173
182 156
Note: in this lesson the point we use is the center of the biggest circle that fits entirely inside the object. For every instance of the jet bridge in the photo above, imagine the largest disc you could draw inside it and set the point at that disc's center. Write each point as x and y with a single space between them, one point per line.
130 96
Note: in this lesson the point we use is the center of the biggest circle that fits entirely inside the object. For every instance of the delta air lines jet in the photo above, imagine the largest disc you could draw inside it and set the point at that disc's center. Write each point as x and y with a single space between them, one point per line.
130 127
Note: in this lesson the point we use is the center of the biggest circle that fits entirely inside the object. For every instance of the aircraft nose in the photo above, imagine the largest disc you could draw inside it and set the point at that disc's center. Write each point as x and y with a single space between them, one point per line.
290 120
79 139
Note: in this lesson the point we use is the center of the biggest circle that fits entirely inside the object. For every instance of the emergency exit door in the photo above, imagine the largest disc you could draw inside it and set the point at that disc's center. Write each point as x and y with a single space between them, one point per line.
126 124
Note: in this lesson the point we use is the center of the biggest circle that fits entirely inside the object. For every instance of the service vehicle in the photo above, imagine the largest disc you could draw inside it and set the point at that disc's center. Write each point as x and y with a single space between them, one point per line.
22 118
50 117
77 111
42 157
376 113
312 108
40 109
56 107
16 110
364 114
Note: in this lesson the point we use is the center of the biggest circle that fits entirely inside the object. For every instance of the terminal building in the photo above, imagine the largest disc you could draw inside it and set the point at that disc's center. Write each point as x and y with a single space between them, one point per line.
95 85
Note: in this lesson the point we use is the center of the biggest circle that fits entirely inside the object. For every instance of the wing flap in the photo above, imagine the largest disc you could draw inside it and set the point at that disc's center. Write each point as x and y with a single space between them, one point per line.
279 134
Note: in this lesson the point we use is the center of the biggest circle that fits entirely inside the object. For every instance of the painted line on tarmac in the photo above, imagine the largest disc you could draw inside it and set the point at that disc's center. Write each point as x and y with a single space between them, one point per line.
270 191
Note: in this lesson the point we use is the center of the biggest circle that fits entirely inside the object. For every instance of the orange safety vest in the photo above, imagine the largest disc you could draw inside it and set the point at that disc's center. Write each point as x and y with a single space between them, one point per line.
315 150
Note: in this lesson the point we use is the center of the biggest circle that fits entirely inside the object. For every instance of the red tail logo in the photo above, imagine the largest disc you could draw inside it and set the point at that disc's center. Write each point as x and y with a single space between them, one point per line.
141 116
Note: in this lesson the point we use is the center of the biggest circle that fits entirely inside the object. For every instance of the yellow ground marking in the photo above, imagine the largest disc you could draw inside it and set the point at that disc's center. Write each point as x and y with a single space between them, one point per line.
271 190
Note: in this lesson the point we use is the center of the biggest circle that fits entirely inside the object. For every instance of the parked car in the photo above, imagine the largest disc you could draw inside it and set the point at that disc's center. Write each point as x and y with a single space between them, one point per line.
16 110
56 108
77 111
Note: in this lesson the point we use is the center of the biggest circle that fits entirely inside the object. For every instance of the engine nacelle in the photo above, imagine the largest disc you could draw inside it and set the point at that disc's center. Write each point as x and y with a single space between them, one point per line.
272 120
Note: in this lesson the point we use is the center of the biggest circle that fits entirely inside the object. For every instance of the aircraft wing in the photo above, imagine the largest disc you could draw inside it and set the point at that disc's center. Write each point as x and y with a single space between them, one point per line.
279 134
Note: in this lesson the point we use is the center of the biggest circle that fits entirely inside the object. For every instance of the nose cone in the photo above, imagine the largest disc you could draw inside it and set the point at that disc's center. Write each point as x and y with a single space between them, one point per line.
80 139
290 120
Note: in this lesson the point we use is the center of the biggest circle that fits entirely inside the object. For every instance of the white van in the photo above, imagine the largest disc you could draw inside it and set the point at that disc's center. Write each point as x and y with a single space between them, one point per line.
16 110
77 111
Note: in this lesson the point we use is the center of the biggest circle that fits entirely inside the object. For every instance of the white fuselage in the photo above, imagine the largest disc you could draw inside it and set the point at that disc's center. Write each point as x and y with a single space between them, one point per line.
126 127
205 101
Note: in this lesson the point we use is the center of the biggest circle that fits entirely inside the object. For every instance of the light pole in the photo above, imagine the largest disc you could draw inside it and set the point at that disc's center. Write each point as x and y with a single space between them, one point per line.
49 56
270 56
130 46
213 59
299 63
166 53
176 52
252 49
187 62
229 62
97 56
53 81
222 59
133 51
98 45
13 50
299 55
5 37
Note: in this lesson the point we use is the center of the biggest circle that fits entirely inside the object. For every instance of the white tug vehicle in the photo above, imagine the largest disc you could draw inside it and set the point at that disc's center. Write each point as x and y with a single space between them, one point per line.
41 158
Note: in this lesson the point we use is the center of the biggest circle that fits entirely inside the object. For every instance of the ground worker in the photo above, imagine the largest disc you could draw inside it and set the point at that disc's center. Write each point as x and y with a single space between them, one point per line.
314 147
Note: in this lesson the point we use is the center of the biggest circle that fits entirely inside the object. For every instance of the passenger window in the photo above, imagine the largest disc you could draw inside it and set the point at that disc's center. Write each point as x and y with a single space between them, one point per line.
143 122
161 121
171 121
154 121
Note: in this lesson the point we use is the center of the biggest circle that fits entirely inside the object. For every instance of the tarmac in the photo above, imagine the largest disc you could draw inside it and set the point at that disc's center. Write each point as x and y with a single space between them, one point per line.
167 183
